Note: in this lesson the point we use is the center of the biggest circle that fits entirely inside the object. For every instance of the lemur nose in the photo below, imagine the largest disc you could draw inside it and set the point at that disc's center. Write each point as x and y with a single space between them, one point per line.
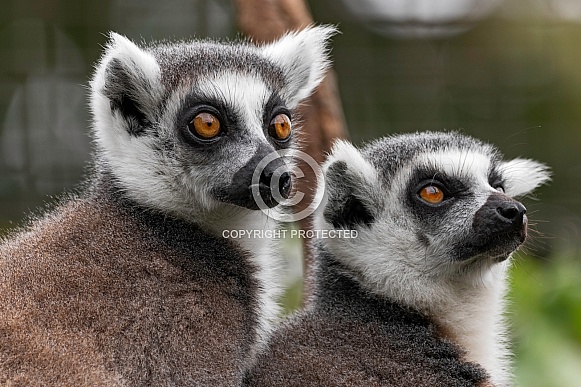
284 181
512 211
285 184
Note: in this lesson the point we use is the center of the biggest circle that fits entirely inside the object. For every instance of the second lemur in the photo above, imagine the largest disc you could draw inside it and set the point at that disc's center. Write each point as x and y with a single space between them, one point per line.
417 297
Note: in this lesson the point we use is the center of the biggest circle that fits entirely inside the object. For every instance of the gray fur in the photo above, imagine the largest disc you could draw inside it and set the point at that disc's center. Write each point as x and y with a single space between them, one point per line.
201 59
390 154
349 337
131 283
416 299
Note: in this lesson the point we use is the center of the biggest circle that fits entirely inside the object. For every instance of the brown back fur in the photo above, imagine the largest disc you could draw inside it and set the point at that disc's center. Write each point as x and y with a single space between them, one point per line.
103 293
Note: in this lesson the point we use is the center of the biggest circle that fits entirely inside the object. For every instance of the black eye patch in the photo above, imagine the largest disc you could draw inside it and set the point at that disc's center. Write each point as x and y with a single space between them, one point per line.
454 189
273 106
452 186
495 178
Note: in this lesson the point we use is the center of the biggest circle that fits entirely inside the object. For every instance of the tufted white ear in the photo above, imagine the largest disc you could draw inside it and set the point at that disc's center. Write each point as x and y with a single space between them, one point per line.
345 151
127 81
132 56
522 176
304 59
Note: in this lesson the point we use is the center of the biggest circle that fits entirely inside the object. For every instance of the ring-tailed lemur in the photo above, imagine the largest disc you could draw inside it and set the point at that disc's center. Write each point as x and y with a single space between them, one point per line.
131 282
416 298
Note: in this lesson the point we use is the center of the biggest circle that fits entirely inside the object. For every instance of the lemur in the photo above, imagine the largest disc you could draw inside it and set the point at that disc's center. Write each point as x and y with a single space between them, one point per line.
414 295
130 281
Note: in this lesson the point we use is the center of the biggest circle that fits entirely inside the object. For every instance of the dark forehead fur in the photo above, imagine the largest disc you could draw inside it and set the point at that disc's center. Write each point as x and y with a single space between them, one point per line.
389 154
188 60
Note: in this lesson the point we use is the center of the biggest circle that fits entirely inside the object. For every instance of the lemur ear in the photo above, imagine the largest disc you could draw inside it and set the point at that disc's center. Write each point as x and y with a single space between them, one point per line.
522 176
126 83
304 59
352 187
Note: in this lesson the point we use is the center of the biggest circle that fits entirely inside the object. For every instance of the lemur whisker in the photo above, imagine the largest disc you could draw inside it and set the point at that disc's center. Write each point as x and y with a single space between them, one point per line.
427 269
144 276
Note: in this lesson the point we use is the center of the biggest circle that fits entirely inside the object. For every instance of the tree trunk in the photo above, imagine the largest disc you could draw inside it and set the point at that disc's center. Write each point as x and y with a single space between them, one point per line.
321 114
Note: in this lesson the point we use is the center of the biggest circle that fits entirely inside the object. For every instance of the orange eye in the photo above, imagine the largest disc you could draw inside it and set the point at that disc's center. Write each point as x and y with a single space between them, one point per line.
280 127
432 194
205 125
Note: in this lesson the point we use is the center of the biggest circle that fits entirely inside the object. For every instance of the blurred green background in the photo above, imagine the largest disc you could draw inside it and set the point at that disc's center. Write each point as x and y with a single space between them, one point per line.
506 71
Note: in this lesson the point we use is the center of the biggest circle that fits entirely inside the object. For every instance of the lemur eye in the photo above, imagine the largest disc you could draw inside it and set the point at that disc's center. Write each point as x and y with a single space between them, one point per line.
280 127
205 125
432 194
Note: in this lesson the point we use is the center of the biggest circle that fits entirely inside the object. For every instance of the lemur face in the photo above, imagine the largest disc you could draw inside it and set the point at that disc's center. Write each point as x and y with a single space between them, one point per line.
426 205
183 126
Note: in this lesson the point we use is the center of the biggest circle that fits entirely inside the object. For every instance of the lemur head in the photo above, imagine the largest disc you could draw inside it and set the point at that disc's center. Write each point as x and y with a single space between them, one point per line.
182 126
429 208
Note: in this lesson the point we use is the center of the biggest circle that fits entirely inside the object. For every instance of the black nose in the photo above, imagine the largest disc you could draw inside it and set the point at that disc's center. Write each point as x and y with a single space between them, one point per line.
284 181
285 184
512 212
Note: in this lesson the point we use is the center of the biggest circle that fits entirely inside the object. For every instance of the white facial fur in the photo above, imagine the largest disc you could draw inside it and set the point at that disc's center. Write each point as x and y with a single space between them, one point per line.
388 258
148 157
170 181
393 225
